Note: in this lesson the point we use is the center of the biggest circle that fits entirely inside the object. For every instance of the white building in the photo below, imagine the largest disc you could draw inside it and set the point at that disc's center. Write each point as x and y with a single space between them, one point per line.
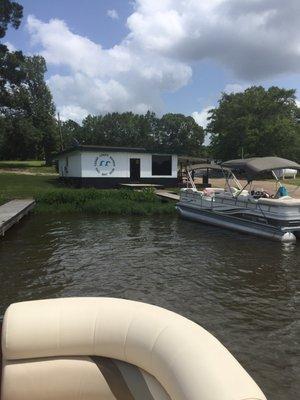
101 166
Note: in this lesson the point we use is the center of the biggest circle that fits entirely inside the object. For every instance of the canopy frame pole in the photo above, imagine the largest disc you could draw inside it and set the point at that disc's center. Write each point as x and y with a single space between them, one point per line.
243 188
227 178
236 181
276 178
190 179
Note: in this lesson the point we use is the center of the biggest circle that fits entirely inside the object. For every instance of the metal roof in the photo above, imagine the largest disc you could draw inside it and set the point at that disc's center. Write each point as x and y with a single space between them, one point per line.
108 148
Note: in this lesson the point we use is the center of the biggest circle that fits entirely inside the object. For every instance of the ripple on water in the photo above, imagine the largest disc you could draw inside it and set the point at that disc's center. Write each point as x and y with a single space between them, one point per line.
242 289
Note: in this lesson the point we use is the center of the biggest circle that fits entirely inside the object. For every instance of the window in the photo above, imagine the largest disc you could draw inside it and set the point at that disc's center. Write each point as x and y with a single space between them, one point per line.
161 165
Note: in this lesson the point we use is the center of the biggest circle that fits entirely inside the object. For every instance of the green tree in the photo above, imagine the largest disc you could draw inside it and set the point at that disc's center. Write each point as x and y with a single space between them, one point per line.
297 144
11 74
11 13
31 107
256 122
39 105
181 134
19 139
171 133
72 133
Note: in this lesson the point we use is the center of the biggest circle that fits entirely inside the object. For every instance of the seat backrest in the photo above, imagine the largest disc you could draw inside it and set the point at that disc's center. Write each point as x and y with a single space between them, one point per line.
59 338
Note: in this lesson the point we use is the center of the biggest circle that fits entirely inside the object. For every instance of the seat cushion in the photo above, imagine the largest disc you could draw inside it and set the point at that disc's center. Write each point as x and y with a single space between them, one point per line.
78 378
187 360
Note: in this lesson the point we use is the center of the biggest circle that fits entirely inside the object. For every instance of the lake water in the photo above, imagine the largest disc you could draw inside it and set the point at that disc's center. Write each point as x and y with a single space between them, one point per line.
242 289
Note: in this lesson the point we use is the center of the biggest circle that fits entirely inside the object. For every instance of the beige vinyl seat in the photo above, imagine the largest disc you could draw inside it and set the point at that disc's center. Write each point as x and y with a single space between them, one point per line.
114 349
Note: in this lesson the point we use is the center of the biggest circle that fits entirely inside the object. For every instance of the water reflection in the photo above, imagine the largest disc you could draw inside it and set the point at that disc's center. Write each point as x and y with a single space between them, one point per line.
241 288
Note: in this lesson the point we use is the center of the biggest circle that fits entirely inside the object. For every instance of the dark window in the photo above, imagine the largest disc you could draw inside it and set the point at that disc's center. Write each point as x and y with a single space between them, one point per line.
161 165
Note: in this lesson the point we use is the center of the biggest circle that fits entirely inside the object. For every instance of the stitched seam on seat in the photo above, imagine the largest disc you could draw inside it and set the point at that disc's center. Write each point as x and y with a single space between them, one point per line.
94 332
126 336
155 341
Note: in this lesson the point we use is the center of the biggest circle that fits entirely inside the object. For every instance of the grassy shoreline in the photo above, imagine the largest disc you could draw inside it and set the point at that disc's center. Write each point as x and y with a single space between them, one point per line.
102 202
53 197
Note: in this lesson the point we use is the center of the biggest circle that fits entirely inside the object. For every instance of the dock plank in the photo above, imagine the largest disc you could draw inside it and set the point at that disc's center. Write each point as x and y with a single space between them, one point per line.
140 185
167 195
13 211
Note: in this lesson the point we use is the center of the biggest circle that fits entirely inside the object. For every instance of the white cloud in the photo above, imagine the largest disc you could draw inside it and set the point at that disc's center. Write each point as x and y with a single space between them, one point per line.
113 14
201 116
76 113
298 103
10 46
122 78
235 88
255 39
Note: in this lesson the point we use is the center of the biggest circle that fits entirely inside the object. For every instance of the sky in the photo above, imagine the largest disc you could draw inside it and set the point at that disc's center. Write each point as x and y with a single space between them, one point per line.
161 55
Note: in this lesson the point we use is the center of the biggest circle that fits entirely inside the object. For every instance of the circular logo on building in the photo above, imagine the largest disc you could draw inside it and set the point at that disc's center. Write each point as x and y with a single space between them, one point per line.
104 164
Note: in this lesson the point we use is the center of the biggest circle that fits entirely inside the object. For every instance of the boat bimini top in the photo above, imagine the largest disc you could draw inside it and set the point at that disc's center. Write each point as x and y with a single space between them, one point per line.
257 165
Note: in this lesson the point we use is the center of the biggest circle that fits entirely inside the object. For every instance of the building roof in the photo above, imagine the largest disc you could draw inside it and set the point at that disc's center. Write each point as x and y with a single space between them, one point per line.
108 148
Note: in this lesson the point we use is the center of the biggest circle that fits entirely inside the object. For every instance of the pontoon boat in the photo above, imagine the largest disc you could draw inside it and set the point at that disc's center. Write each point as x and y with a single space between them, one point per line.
245 209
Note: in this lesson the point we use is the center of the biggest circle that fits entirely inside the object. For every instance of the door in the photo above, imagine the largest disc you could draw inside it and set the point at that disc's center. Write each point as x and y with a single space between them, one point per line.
135 169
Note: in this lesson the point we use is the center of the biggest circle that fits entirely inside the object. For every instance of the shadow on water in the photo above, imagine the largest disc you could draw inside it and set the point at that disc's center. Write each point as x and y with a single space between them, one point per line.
241 288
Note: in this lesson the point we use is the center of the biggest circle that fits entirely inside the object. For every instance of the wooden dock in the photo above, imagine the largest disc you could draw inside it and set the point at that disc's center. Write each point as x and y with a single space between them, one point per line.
164 194
13 211
140 185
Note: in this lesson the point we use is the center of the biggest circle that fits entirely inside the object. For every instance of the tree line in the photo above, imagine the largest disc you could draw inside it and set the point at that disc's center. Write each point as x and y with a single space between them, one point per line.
27 124
172 133
256 122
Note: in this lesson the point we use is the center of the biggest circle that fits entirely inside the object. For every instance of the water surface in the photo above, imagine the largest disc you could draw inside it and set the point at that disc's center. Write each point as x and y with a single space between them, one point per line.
242 289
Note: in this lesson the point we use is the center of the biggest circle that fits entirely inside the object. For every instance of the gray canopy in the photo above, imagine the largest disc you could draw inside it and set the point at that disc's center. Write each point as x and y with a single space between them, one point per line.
206 166
254 166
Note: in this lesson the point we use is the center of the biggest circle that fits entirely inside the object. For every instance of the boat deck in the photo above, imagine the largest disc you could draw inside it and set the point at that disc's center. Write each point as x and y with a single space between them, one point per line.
13 211
269 186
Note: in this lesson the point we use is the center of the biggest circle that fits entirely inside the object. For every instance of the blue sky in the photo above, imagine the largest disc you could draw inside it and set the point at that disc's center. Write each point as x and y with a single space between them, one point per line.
167 55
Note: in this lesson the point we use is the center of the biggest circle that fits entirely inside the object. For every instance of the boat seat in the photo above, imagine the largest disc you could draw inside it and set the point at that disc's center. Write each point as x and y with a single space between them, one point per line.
282 201
114 349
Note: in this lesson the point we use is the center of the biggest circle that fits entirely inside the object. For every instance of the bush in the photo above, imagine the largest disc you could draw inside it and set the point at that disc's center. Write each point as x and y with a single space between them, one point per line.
102 202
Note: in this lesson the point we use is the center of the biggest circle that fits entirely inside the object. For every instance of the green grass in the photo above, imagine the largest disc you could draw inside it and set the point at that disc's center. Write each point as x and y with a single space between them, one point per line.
24 186
33 166
295 182
53 197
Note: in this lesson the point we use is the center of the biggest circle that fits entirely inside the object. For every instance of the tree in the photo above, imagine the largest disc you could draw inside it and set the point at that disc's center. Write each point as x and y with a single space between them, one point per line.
171 133
39 105
10 13
11 74
181 134
119 129
31 106
297 144
19 139
256 122
71 133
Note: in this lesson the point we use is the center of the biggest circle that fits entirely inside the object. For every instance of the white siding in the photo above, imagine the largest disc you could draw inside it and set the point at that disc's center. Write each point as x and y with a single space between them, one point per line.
70 165
120 169
87 165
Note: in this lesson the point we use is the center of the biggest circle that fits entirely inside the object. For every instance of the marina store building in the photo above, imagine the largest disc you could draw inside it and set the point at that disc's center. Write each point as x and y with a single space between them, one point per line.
108 167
